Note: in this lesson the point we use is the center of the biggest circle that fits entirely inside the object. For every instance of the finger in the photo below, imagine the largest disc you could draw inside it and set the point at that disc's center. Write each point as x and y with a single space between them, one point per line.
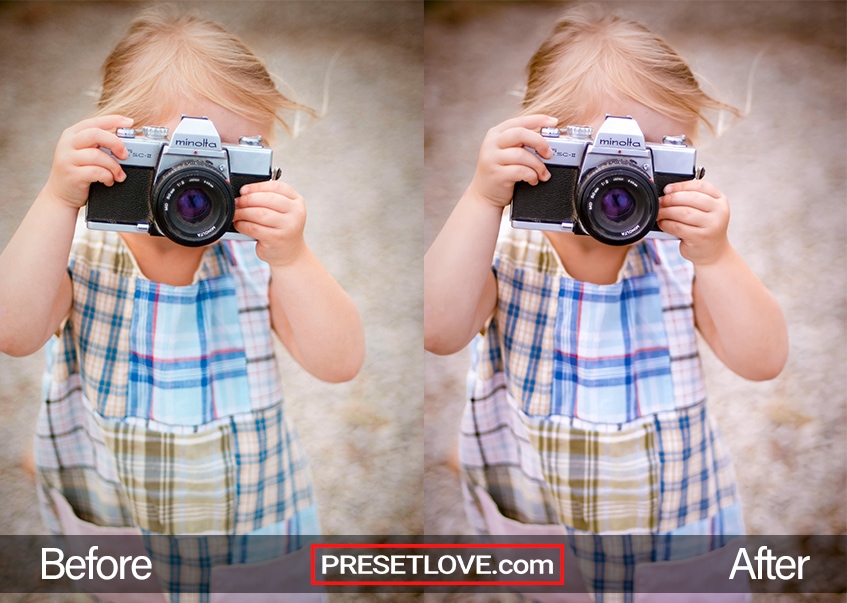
687 235
246 228
683 214
703 186
270 186
696 199
97 158
103 122
95 173
96 138
271 201
260 215
535 121
521 173
521 137
677 229
522 157
256 230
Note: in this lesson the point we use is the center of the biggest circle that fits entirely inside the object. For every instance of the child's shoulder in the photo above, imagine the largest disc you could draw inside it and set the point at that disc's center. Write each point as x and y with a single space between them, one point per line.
100 250
525 249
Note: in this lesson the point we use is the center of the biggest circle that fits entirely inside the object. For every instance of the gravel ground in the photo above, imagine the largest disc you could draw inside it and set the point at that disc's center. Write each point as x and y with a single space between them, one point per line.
783 170
359 169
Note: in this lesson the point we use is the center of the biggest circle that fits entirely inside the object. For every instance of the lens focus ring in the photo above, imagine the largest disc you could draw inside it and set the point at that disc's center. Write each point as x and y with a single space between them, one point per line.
192 204
616 203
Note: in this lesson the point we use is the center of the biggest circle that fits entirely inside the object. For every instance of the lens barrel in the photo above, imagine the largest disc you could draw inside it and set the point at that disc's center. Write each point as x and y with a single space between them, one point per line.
616 203
192 204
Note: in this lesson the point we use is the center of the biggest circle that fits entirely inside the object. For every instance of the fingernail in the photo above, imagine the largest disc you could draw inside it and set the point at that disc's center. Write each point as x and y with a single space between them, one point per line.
545 176
668 188
121 177
244 189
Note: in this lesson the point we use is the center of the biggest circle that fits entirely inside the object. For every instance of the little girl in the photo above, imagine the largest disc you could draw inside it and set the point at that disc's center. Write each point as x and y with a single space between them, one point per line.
587 413
163 410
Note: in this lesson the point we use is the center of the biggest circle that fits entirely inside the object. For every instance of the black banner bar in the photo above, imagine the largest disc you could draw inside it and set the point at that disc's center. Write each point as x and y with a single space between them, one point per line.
414 564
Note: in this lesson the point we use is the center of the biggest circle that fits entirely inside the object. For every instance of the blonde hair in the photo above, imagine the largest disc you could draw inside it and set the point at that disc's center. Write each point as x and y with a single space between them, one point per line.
165 57
591 57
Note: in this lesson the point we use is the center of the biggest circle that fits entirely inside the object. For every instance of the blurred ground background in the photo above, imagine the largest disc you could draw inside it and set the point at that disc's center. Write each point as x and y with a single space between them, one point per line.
783 170
359 169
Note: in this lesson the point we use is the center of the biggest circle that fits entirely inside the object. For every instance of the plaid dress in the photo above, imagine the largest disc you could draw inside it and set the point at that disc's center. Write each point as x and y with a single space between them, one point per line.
163 408
587 410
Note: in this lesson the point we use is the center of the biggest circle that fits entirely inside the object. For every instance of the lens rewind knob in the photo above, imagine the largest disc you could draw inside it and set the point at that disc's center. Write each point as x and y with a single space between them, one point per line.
250 141
678 140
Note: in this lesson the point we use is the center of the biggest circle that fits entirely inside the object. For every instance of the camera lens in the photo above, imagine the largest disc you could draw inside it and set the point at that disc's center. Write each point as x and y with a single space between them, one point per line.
193 204
617 203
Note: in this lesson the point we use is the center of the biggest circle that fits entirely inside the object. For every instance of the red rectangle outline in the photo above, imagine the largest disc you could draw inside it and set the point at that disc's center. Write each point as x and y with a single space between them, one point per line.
560 582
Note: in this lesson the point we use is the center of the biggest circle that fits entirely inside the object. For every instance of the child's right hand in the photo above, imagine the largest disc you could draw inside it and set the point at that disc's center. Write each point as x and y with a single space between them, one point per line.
503 160
79 161
37 294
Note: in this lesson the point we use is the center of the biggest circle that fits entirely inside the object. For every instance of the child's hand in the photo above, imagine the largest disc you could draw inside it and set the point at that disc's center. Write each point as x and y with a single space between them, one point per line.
698 213
274 214
503 160
79 161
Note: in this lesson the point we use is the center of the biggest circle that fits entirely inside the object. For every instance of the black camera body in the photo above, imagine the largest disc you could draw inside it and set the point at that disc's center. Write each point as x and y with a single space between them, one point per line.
183 188
607 187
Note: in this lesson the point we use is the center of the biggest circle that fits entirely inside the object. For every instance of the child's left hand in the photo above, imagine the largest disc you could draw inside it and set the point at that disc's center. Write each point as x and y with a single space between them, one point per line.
274 214
315 319
698 213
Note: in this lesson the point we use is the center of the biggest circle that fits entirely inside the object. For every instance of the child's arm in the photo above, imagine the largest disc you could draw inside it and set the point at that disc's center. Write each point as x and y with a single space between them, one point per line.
36 295
314 317
736 314
460 291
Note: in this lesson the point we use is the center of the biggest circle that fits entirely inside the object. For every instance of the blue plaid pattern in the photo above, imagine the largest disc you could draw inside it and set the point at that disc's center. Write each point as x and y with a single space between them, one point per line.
102 314
598 353
608 562
184 565
272 474
697 478
587 409
179 373
163 405
612 362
